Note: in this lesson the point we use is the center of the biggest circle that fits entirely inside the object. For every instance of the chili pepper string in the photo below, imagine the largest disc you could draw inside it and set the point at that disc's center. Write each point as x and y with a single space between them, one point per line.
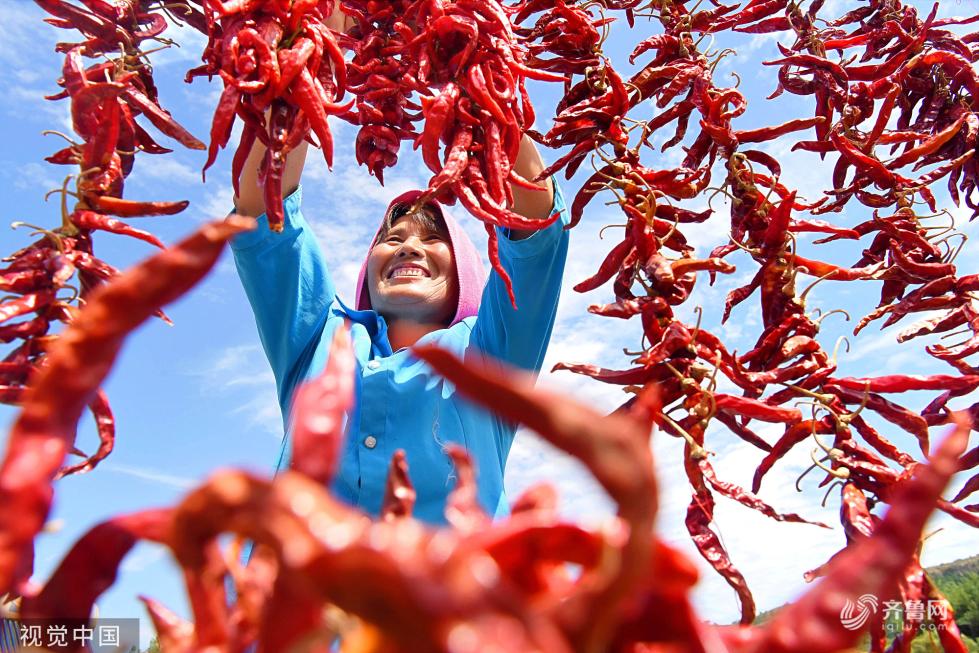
78 362
457 68
653 269
283 74
47 280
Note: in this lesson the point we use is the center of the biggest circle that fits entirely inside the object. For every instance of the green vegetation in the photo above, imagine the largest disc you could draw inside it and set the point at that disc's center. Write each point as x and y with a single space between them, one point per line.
959 582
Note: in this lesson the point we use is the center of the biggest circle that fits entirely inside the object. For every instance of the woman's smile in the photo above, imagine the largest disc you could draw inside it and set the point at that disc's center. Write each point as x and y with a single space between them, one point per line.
408 271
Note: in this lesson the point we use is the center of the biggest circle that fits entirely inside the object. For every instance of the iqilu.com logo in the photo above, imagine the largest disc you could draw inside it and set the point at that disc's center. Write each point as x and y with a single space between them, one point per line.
928 615
855 615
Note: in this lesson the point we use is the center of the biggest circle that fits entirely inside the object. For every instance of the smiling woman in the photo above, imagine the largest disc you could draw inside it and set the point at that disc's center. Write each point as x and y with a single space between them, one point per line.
422 281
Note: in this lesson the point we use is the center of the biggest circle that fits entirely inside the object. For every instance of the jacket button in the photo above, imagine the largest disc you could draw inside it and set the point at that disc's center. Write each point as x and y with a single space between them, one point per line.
370 442
373 365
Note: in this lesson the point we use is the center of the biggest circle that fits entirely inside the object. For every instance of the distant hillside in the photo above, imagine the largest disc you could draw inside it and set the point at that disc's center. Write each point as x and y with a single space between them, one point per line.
958 567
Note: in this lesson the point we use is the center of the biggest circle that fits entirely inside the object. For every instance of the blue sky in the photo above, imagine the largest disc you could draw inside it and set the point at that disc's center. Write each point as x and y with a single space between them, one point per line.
199 396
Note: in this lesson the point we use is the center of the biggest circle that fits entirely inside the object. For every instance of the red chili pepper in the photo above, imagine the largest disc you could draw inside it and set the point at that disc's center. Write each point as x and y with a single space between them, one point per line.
756 409
92 565
893 413
462 509
794 434
105 425
399 493
26 304
749 499
904 383
700 514
833 272
321 406
130 208
221 126
160 118
305 95
456 161
91 220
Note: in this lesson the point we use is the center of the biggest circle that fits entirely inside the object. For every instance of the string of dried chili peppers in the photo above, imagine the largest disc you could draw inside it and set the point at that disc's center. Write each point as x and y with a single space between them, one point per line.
44 282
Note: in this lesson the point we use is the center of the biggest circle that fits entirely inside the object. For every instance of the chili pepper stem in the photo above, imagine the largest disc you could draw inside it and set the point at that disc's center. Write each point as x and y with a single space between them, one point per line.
673 227
699 310
802 297
720 56
697 452
167 45
836 348
74 295
715 193
832 485
958 250
959 344
55 237
601 232
955 333
842 472
808 469
824 399
712 383
832 452
735 242
52 132
696 44
675 371
822 317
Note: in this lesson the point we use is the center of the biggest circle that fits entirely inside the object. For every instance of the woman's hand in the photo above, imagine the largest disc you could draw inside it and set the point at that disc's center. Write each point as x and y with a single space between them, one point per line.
534 204
251 202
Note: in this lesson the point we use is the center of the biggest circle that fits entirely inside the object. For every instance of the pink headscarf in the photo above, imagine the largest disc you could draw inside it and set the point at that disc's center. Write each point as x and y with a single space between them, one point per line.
469 267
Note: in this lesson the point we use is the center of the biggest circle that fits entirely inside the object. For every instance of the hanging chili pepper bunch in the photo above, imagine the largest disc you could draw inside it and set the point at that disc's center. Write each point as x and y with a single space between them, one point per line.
653 268
467 68
106 99
591 111
655 256
381 82
926 76
920 63
394 584
283 74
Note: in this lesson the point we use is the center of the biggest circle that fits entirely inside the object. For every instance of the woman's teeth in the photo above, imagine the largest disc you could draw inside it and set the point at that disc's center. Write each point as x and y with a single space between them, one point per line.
408 272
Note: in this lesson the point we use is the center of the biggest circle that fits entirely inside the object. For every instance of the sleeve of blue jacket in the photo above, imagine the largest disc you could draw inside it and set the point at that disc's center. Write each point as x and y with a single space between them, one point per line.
289 287
536 266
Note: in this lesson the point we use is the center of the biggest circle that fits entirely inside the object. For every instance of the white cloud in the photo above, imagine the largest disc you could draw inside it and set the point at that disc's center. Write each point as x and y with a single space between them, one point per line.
150 475
242 371
217 205
144 556
35 178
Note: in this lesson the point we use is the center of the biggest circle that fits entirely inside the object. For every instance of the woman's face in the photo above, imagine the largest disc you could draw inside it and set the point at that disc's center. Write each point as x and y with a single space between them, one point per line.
411 274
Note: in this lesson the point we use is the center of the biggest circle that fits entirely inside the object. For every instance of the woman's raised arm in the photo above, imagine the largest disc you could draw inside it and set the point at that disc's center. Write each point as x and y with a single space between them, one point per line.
534 204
